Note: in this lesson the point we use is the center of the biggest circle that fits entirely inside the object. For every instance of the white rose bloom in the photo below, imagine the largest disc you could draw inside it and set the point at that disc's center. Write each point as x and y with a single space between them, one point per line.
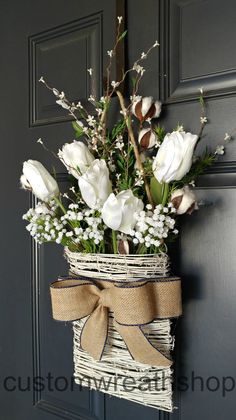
174 157
118 211
76 157
184 200
38 179
95 185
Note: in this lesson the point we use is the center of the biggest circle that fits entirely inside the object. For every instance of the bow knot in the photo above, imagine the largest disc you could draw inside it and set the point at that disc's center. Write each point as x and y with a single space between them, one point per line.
133 305
105 298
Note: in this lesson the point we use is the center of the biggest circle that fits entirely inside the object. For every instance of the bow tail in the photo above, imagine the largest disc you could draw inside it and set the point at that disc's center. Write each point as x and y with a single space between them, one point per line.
94 333
140 347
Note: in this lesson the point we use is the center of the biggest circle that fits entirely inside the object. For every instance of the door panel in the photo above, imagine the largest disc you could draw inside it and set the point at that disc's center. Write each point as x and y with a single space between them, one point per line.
206 343
63 54
196 50
197 39
201 38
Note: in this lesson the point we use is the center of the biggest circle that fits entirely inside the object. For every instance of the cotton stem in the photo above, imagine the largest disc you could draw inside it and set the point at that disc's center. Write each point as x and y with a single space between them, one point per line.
136 150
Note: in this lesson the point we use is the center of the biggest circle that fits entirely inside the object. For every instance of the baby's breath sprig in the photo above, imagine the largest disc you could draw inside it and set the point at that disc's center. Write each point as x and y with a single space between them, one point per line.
153 227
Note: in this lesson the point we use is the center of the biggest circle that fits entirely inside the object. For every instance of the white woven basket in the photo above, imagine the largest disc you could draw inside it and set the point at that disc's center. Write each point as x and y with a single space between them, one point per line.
117 373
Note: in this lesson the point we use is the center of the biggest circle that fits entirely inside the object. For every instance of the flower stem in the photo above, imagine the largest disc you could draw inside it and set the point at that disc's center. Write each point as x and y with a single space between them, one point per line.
59 203
114 242
142 249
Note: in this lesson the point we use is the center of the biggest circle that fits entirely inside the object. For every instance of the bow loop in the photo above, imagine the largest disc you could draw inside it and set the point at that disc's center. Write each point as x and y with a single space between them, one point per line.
94 333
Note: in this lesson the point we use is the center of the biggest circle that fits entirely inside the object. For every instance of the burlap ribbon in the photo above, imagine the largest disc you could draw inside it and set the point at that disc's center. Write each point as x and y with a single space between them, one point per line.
133 305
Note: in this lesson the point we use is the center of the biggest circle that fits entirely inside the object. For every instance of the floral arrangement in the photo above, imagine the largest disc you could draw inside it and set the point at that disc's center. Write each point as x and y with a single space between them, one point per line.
129 184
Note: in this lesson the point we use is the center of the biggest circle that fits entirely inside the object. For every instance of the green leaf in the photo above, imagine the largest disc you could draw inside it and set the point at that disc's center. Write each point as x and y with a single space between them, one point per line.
201 100
122 35
133 81
156 190
118 129
119 164
72 247
198 168
165 193
160 131
78 129
54 172
159 191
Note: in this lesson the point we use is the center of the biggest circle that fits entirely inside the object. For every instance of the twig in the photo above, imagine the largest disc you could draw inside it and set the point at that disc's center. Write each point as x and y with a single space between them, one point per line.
203 115
136 151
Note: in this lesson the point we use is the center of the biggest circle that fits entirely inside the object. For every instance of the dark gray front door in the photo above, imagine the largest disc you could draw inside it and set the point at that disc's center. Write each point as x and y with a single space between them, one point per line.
60 39
199 52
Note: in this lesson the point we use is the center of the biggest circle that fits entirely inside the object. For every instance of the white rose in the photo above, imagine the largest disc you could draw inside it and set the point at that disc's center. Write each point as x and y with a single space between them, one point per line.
24 183
174 157
118 211
184 200
95 185
76 157
38 179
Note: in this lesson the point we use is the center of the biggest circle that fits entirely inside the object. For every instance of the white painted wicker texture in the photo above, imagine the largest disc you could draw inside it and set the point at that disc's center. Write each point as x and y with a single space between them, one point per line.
117 373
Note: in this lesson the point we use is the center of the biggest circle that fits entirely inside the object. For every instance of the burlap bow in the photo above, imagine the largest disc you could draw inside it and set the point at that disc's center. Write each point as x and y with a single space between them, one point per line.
133 305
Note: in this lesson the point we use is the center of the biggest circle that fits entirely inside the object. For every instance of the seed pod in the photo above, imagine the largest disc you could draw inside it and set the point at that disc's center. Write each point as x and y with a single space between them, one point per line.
147 138
184 200
123 246
146 108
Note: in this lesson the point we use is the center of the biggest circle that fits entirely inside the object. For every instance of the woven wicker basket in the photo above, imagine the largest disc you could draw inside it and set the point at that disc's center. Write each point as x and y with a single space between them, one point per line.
117 373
